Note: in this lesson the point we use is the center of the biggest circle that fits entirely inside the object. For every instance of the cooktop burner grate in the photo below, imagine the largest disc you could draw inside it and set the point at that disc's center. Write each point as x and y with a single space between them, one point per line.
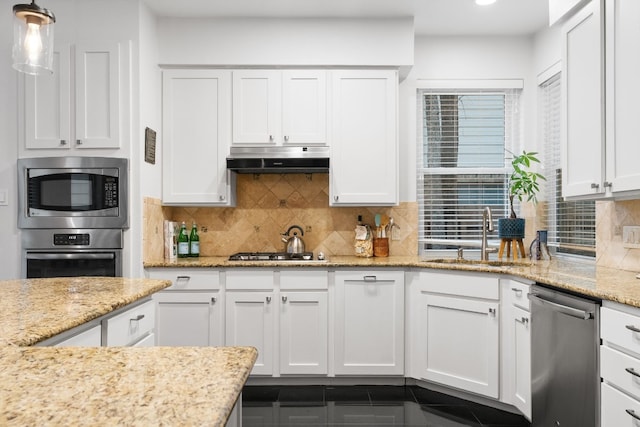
271 256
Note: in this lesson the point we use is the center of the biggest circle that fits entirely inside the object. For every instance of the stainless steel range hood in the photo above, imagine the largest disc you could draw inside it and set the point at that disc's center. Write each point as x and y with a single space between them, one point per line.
279 159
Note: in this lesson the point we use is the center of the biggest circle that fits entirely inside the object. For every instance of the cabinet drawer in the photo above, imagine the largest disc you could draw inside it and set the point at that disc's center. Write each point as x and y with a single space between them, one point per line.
126 328
621 370
249 279
304 279
617 408
462 284
188 279
617 327
89 338
518 294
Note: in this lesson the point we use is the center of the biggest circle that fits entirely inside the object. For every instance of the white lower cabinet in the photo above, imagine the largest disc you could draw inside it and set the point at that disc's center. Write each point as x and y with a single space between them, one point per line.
620 365
303 332
189 319
516 345
90 338
250 322
369 322
458 331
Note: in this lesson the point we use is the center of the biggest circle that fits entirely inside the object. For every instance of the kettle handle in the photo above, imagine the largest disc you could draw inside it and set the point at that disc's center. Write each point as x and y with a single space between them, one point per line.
295 226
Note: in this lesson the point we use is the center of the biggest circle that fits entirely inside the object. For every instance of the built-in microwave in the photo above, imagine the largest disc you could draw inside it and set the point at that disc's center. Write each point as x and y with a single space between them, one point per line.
73 192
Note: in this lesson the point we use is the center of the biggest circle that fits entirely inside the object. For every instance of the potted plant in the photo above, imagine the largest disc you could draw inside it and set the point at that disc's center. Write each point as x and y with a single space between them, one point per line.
523 184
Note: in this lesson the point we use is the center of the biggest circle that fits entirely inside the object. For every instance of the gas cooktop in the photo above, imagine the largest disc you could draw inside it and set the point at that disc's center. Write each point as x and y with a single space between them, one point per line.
271 256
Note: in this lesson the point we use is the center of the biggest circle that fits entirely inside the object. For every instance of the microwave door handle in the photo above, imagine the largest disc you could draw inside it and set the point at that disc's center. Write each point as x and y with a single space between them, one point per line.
50 256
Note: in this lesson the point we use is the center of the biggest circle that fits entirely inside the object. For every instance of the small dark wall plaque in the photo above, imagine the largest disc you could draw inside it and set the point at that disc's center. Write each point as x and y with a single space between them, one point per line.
150 146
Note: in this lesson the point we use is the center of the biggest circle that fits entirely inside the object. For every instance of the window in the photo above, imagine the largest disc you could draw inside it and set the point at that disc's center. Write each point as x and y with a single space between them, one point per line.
571 225
462 165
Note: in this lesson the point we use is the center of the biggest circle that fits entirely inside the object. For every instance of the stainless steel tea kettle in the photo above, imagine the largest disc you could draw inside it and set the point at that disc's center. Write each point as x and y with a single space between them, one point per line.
294 244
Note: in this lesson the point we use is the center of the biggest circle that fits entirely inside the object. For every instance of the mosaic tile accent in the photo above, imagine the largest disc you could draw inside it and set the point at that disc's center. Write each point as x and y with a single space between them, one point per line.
268 205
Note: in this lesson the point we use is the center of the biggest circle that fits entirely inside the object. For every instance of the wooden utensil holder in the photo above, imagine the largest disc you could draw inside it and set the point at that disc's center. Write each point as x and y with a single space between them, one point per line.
380 246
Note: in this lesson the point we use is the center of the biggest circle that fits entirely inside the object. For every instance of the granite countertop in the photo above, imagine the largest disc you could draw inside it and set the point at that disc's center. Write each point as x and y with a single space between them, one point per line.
121 385
32 310
581 277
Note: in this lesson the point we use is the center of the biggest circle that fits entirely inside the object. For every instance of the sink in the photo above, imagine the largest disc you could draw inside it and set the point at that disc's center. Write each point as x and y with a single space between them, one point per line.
490 263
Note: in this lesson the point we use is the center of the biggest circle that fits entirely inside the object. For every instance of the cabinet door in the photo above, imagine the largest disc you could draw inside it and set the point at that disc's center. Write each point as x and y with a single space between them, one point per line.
304 107
369 325
195 115
462 343
249 322
189 319
623 91
303 333
364 145
582 104
522 360
47 104
97 95
256 106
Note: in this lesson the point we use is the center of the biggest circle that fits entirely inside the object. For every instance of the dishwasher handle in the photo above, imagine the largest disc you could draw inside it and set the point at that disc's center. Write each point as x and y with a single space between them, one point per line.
570 311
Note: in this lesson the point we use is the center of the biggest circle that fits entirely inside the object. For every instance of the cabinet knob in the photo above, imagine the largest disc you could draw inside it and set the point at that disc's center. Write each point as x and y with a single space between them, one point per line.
213 300
608 184
63 142
286 138
268 300
523 320
335 198
595 186
271 138
492 311
284 299
78 141
222 198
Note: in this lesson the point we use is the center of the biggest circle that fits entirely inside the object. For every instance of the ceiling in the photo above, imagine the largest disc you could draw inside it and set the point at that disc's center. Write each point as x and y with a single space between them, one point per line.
431 17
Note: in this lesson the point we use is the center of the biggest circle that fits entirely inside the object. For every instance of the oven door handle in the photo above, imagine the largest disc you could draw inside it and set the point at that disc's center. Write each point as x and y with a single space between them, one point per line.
53 256
570 311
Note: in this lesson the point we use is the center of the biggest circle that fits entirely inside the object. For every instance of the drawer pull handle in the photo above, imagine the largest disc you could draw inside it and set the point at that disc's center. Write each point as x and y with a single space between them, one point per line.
517 291
268 300
632 328
492 311
284 299
138 318
632 372
185 278
370 278
632 413
523 320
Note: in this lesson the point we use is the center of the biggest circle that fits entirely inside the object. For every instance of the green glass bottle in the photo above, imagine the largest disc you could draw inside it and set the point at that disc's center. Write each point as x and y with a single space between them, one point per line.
194 242
183 242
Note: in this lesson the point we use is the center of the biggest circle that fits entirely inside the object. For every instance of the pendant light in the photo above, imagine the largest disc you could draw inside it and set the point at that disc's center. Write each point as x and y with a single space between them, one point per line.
32 38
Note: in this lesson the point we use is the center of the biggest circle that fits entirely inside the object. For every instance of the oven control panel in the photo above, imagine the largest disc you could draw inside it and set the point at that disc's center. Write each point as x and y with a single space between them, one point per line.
71 239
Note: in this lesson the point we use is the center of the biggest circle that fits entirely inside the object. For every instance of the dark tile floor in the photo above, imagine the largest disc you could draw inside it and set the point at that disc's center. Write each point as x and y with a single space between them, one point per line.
341 406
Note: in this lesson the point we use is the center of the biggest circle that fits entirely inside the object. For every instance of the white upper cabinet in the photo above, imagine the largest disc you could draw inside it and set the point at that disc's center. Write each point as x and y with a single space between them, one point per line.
273 107
78 106
623 92
364 144
196 129
599 95
583 104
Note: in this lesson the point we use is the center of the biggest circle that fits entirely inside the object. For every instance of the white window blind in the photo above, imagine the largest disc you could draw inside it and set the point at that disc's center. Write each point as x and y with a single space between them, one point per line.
571 225
462 165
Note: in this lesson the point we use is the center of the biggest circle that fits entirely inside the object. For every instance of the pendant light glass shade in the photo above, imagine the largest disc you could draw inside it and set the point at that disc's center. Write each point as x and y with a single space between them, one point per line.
32 38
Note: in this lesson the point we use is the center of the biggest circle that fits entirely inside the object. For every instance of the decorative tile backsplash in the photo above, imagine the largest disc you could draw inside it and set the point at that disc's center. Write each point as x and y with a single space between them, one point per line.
267 205
610 218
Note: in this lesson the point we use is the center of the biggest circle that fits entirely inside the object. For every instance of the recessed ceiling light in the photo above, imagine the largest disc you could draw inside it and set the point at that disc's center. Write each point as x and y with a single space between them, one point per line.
485 2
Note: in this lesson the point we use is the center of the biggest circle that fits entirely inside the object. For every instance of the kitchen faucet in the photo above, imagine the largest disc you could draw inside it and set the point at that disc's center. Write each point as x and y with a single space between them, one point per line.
487 225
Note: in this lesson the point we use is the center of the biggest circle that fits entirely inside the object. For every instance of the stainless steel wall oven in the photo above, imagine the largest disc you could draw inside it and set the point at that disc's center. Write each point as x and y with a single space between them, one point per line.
72 253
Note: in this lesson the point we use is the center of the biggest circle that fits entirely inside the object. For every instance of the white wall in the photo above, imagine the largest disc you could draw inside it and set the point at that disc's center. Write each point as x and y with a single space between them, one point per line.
272 42
471 58
9 237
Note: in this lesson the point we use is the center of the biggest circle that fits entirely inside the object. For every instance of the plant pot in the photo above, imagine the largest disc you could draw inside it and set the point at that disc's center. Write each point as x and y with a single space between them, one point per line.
511 228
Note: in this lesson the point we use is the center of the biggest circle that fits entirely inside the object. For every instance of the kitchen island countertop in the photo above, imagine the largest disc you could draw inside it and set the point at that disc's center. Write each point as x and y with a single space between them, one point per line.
121 385
578 276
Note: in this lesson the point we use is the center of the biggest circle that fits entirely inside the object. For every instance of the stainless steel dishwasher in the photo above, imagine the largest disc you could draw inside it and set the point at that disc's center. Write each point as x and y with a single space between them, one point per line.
565 374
